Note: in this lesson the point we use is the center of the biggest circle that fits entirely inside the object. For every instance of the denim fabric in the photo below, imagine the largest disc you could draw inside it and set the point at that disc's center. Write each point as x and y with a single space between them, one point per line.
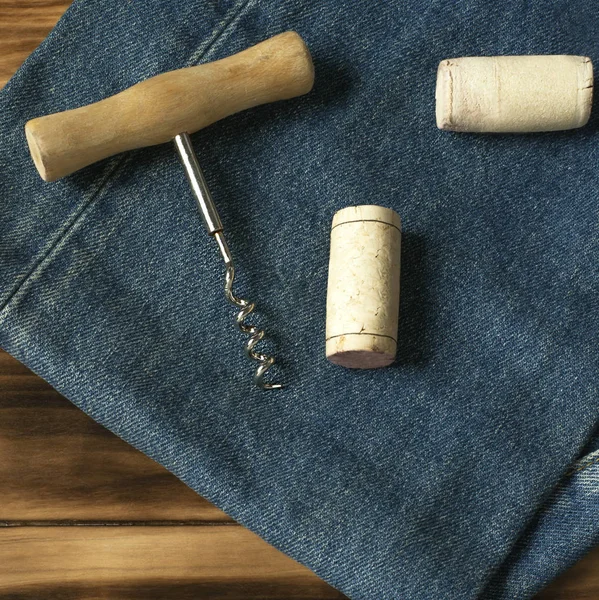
566 523
446 476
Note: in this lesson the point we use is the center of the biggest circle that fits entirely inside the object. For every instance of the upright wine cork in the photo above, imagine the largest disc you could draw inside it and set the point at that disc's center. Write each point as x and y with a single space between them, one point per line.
514 93
363 287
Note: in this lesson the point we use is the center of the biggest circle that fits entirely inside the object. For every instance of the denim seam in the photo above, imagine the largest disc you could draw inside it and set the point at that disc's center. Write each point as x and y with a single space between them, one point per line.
47 254
582 467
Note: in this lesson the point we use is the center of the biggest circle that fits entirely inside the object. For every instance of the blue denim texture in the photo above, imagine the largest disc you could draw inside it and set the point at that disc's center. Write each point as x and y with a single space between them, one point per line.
450 475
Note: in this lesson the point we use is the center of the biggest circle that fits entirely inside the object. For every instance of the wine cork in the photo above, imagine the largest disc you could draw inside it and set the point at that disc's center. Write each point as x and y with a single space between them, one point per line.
363 287
514 93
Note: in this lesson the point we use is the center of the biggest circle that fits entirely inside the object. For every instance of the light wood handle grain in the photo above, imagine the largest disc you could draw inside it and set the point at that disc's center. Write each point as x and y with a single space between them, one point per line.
155 110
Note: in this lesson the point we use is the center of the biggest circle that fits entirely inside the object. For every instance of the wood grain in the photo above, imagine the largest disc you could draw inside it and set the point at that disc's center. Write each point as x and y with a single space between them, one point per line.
59 467
157 109
57 464
147 562
581 582
23 25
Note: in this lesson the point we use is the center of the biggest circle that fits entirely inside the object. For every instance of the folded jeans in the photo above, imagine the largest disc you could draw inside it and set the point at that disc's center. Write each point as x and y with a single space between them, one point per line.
469 469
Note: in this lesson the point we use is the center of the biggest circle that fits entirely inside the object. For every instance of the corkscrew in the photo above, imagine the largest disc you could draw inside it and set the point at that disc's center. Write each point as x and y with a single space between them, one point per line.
214 227
158 110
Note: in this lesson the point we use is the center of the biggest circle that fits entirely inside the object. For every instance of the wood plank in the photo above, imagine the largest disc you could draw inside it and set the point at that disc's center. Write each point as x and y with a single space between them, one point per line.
220 561
581 582
23 25
58 464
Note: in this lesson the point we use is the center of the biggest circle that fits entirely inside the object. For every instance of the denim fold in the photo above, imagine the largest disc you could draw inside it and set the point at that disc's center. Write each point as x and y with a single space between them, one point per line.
467 469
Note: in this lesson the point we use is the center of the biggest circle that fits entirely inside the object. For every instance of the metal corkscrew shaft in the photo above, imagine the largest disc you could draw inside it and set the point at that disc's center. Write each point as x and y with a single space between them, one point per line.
214 227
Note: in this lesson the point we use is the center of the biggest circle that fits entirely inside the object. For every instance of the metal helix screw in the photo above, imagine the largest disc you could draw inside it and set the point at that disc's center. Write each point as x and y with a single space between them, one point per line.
264 361
215 229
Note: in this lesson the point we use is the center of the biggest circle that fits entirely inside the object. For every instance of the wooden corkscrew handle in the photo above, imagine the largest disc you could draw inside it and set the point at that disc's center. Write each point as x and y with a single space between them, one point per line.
157 109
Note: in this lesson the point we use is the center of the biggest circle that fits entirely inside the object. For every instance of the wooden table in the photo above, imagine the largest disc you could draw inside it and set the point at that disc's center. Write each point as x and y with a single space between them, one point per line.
85 516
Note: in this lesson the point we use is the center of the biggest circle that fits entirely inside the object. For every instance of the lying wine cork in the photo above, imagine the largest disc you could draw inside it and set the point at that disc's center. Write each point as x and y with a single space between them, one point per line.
363 287
514 93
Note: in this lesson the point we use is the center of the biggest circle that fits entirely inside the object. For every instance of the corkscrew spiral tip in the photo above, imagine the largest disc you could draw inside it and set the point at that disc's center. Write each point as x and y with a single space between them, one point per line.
256 335
214 227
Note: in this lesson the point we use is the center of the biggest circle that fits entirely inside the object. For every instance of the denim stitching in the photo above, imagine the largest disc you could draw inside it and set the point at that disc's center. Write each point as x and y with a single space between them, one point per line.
47 252
113 166
582 467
